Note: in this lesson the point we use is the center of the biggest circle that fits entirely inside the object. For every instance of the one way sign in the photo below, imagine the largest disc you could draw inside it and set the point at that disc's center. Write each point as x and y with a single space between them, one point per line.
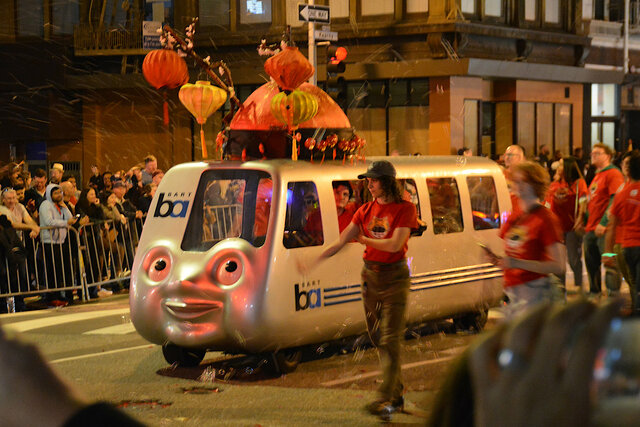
313 13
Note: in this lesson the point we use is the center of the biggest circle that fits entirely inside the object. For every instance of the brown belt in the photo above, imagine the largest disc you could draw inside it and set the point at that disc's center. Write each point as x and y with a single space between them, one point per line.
383 266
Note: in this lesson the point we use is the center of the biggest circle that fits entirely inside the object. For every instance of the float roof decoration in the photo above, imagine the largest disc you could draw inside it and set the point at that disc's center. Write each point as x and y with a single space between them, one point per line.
256 111
289 68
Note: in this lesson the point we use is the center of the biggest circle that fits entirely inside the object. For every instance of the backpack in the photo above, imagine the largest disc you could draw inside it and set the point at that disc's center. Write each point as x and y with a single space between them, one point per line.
10 244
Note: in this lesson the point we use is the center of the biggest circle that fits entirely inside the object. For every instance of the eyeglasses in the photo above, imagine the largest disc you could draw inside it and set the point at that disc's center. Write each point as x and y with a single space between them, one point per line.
597 153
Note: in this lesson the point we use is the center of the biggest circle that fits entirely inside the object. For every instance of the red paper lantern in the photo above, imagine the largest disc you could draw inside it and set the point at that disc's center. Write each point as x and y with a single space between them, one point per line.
332 140
310 143
164 69
289 68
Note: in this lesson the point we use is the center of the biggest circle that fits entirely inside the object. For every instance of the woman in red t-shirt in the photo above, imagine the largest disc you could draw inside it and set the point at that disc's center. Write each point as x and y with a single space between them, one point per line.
383 226
565 198
532 239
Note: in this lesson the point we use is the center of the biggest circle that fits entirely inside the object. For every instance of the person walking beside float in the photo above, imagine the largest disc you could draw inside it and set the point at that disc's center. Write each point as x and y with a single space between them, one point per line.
383 226
533 247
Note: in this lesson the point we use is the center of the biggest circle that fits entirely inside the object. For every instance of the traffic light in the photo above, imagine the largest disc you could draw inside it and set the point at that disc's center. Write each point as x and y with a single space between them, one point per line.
336 84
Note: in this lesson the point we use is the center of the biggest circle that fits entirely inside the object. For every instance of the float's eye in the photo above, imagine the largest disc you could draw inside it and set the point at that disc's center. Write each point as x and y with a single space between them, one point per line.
159 268
228 271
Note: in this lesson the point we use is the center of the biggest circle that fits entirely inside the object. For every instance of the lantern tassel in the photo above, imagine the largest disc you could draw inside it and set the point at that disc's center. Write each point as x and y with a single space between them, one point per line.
165 110
294 149
204 144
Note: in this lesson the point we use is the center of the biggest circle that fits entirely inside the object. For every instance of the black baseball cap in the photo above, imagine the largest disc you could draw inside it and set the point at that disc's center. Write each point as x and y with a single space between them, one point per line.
379 168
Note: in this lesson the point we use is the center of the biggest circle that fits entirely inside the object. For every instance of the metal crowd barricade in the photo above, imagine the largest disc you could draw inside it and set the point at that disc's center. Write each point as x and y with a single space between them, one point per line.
95 254
48 267
108 248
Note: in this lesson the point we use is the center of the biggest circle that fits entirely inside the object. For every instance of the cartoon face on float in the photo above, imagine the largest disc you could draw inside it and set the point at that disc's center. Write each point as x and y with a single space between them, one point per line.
193 282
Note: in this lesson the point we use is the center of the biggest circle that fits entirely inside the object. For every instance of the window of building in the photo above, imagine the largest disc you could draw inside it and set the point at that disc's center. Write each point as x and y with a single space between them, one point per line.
30 18
493 8
255 11
587 9
229 203
445 205
552 11
214 13
378 7
530 10
484 202
603 100
339 8
65 16
303 221
417 6
468 6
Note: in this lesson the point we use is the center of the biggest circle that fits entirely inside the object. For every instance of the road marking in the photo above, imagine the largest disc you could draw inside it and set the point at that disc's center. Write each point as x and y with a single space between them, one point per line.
102 353
376 373
44 322
121 329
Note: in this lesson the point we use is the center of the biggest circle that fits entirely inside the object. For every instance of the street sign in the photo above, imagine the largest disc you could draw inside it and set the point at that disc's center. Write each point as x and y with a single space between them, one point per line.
313 13
151 35
326 35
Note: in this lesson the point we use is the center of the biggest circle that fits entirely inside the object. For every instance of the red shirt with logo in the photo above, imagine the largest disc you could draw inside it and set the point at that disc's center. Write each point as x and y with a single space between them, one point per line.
604 185
526 237
379 221
626 207
561 199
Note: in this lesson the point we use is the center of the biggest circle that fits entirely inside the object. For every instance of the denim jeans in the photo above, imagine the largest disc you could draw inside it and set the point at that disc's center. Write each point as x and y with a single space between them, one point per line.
526 295
573 241
593 250
632 256
385 296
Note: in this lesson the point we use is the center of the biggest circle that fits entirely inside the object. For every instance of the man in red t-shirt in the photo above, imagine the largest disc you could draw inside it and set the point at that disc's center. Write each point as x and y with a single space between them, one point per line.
607 181
625 214
383 226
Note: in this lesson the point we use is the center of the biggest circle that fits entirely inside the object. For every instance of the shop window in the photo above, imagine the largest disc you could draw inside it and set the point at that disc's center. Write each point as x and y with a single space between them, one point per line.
303 221
255 11
30 18
484 202
526 126
445 205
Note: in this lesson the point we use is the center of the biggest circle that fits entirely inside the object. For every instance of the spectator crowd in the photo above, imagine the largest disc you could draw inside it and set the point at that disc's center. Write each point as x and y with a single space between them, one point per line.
38 249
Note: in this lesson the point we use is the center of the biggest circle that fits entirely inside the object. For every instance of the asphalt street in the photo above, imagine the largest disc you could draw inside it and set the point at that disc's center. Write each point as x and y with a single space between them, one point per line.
95 347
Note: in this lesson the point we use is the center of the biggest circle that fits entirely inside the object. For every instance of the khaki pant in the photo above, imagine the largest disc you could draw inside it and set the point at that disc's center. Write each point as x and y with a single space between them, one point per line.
385 288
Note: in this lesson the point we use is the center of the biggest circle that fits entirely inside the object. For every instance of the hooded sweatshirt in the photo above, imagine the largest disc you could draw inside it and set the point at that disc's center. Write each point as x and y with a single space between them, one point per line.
53 215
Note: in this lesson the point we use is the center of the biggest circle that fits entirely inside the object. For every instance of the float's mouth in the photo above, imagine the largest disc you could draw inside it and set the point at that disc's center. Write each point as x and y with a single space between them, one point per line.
189 309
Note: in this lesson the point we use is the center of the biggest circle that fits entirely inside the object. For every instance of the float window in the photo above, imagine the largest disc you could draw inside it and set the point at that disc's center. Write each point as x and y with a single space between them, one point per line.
347 195
303 222
229 204
484 202
445 205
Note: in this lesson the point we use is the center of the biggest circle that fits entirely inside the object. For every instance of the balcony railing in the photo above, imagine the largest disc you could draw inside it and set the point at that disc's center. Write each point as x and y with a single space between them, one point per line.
112 41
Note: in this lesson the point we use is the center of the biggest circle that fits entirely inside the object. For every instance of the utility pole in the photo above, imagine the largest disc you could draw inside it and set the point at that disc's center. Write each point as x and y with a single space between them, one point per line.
312 49
625 66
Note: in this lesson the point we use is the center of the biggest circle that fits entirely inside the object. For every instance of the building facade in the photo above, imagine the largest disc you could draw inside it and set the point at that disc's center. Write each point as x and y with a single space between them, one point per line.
422 76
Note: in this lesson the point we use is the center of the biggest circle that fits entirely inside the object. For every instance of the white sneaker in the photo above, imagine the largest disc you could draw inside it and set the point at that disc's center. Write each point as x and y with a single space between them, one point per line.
104 293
